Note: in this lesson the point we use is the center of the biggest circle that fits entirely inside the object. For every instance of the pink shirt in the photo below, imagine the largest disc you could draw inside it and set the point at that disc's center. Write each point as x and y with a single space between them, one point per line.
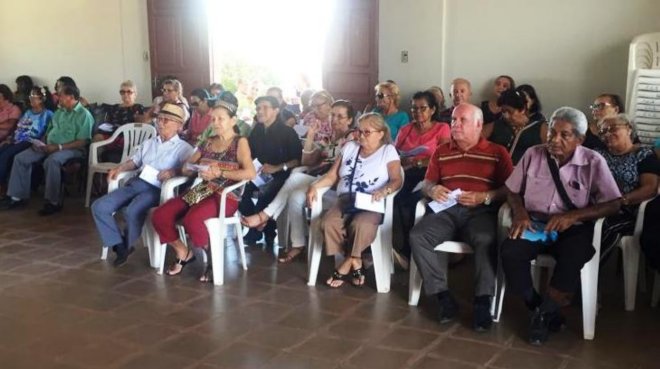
409 138
586 178
198 124
325 128
10 111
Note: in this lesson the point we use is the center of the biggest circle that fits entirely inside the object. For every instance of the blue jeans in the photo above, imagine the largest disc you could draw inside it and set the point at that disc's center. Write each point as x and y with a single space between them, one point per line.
135 199
7 154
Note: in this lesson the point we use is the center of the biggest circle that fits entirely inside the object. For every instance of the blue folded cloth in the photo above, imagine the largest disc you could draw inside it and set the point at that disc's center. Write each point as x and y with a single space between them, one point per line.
539 235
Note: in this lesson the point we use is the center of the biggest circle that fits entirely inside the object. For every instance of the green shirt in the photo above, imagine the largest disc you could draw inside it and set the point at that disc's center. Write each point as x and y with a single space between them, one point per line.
68 126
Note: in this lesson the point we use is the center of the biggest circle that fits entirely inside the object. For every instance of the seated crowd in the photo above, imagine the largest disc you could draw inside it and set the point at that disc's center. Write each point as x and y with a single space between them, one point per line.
557 175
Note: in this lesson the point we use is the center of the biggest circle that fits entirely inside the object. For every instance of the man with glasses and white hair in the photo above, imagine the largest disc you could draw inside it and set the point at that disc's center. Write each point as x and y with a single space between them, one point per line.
467 174
556 192
460 92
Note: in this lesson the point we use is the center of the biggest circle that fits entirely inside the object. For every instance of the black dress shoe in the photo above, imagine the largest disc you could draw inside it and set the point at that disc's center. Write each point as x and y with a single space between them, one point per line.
8 203
539 328
448 307
50 209
122 255
482 320
252 237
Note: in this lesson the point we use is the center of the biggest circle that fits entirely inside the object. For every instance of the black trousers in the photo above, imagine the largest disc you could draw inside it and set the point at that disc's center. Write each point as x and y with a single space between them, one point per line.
571 251
405 203
650 239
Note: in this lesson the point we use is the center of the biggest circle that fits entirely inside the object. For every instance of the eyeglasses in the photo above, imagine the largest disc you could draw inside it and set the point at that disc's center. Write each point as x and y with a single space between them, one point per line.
35 96
167 90
420 109
194 103
382 96
599 106
611 129
125 92
366 132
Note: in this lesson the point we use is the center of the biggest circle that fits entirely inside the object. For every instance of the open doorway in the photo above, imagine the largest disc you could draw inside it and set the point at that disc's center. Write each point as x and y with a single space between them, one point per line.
257 44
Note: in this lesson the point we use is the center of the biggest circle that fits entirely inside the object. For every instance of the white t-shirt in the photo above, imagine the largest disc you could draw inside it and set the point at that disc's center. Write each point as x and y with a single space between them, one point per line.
370 173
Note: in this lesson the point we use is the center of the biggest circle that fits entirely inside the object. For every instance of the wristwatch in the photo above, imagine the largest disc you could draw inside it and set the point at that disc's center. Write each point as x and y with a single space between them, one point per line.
487 200
285 167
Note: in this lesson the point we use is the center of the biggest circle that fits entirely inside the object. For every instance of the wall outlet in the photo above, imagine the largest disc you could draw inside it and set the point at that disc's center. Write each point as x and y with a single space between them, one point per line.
404 56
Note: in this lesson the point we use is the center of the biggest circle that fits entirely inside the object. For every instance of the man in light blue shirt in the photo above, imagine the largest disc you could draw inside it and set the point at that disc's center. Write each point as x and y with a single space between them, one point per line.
158 159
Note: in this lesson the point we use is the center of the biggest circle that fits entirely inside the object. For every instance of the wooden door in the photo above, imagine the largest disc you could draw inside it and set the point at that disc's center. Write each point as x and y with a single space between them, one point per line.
179 43
350 68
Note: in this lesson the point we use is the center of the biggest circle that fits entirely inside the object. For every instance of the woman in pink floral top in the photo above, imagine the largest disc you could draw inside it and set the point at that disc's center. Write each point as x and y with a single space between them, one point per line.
318 156
416 142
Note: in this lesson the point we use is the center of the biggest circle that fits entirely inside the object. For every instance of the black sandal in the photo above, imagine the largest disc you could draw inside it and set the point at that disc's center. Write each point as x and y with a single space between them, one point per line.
336 276
359 276
183 263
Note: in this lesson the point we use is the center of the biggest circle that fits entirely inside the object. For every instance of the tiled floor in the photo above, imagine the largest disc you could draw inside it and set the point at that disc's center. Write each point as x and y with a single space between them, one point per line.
62 307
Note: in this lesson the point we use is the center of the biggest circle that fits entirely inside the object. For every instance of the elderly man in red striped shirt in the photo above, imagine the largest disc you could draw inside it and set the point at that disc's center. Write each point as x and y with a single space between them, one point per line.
478 168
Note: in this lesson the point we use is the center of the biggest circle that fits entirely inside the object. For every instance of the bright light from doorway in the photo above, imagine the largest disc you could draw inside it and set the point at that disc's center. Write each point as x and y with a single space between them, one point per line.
269 42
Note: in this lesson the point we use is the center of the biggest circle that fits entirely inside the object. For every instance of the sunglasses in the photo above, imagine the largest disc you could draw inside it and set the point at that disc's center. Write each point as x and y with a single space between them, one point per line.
167 90
421 109
125 92
382 96
599 106
366 132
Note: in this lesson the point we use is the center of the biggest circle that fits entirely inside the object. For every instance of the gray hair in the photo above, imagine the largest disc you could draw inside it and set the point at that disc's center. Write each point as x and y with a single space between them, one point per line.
575 117
129 84
376 121
621 118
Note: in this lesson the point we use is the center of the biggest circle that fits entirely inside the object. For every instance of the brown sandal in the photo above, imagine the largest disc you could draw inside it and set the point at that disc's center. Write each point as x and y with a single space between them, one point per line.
290 255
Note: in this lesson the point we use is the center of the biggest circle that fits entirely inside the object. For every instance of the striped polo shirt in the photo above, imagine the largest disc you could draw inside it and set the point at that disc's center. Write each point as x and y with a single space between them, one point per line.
484 167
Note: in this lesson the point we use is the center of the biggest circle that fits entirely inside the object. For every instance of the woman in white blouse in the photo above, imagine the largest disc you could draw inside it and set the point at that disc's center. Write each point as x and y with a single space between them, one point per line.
371 167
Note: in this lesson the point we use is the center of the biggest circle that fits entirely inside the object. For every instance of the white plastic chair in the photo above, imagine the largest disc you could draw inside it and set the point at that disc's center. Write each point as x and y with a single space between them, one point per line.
588 276
630 250
114 184
415 279
134 135
217 228
381 248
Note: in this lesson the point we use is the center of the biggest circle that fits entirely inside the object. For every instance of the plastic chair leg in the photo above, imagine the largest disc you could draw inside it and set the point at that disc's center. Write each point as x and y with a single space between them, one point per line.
655 296
414 284
104 253
536 277
217 232
88 192
315 250
589 278
381 269
630 253
240 245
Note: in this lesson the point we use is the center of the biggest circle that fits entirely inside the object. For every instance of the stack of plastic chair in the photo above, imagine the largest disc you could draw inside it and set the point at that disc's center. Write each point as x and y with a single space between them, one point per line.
643 86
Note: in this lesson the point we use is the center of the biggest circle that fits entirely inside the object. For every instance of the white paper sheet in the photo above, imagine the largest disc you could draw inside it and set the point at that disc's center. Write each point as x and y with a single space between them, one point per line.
262 178
105 127
363 201
149 174
438 206
36 142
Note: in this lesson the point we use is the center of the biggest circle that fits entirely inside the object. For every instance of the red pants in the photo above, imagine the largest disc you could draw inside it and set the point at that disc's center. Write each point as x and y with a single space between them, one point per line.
165 217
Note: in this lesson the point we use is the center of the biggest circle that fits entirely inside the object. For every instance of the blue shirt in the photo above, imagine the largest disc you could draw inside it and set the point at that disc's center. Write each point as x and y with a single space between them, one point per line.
32 125
162 155
395 121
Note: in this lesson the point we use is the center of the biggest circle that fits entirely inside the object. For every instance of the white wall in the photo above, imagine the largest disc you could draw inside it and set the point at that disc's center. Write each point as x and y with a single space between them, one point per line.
99 43
569 50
